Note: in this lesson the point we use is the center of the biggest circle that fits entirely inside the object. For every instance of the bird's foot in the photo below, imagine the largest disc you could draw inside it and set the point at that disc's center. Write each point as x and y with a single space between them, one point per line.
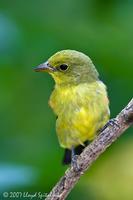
111 122
74 163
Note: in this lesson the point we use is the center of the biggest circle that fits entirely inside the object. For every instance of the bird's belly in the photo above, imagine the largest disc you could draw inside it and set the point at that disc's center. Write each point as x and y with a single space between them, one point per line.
75 126
82 110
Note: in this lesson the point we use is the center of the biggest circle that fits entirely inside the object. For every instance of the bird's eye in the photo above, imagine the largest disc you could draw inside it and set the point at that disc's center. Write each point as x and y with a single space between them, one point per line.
63 67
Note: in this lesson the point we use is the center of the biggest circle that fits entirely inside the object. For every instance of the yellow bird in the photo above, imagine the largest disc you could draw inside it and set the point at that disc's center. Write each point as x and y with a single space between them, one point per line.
79 99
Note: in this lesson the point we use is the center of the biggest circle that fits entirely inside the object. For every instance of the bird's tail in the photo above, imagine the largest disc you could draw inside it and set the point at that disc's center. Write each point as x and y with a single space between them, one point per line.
68 153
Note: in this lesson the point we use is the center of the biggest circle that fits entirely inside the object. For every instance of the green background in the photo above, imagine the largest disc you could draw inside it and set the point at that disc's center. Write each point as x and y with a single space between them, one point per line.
30 32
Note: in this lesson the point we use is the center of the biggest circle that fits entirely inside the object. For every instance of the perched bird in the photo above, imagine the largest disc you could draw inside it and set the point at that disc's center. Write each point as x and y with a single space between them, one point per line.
79 99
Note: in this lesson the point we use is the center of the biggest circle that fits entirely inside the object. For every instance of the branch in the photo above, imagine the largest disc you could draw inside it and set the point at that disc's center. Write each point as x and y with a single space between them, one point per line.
110 133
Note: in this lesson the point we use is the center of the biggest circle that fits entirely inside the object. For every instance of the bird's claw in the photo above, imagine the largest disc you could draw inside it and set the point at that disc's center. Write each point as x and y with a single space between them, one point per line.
74 164
111 122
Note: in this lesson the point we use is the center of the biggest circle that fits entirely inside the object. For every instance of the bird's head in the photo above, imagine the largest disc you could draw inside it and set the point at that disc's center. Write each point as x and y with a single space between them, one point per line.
69 67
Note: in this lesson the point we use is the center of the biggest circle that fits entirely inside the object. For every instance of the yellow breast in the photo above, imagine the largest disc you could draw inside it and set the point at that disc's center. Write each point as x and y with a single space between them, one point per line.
82 110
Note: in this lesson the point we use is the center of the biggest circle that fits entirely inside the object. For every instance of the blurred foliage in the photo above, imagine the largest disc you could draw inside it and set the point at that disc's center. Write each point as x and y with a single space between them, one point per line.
30 32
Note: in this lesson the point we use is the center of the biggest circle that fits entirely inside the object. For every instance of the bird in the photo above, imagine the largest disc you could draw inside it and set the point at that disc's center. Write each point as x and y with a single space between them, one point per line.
79 100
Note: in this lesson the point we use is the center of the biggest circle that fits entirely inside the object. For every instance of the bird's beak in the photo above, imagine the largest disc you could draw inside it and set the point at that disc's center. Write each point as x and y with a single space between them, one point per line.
44 67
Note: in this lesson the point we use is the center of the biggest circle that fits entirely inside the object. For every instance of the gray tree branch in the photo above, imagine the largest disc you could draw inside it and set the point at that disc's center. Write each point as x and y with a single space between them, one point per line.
110 133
